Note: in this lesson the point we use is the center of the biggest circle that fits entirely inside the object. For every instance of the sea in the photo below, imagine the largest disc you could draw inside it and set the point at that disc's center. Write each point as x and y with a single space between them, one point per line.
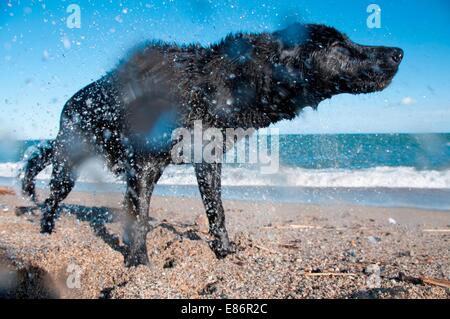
386 170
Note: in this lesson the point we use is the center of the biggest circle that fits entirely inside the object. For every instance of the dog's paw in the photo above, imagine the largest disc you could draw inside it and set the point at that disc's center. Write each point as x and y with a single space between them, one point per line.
47 225
221 249
136 259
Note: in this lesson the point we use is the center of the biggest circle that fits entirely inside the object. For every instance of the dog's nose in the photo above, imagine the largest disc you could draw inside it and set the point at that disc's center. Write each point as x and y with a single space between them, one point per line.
397 55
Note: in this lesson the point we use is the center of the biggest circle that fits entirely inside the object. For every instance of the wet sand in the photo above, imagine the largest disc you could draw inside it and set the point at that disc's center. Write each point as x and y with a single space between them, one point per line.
284 251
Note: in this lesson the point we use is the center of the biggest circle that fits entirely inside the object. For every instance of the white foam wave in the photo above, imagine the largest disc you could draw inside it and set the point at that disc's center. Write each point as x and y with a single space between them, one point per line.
390 177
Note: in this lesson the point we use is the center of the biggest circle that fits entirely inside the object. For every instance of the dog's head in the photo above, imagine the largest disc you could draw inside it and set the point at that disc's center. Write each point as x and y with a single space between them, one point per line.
332 63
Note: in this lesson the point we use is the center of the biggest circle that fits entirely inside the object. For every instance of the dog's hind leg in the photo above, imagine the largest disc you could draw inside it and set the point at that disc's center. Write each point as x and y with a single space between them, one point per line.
67 154
208 178
35 163
61 183
137 202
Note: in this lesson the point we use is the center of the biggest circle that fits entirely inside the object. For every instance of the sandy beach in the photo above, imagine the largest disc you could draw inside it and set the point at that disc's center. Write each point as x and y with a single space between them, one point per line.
283 251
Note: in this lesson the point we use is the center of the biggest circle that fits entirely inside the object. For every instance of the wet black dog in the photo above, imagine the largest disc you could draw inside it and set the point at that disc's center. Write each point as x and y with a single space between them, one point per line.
246 80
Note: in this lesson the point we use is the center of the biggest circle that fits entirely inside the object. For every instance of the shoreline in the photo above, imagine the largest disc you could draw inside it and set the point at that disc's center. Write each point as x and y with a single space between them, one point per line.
383 197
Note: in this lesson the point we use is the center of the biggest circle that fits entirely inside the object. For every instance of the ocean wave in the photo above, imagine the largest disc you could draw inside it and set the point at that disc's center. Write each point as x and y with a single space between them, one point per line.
390 177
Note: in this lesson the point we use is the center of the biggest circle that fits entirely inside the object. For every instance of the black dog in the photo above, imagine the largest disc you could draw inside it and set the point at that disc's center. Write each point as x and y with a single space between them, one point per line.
246 80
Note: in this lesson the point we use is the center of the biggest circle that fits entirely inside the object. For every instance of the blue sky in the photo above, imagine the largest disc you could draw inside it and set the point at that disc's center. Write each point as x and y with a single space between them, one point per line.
43 62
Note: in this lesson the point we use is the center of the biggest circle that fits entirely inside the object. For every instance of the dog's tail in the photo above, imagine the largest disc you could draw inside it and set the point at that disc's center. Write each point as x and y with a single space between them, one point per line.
36 159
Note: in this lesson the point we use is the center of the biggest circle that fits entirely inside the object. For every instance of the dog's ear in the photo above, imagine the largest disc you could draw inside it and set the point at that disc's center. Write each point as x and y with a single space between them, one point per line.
308 36
292 36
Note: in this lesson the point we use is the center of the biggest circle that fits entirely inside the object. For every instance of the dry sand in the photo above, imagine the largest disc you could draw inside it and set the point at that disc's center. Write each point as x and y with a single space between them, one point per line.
284 251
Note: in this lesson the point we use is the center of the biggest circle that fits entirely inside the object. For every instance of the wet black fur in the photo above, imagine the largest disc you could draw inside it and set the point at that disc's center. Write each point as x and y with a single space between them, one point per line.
246 80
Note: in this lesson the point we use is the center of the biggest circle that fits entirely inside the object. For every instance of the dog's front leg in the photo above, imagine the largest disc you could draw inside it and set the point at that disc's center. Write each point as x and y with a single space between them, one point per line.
137 201
208 178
